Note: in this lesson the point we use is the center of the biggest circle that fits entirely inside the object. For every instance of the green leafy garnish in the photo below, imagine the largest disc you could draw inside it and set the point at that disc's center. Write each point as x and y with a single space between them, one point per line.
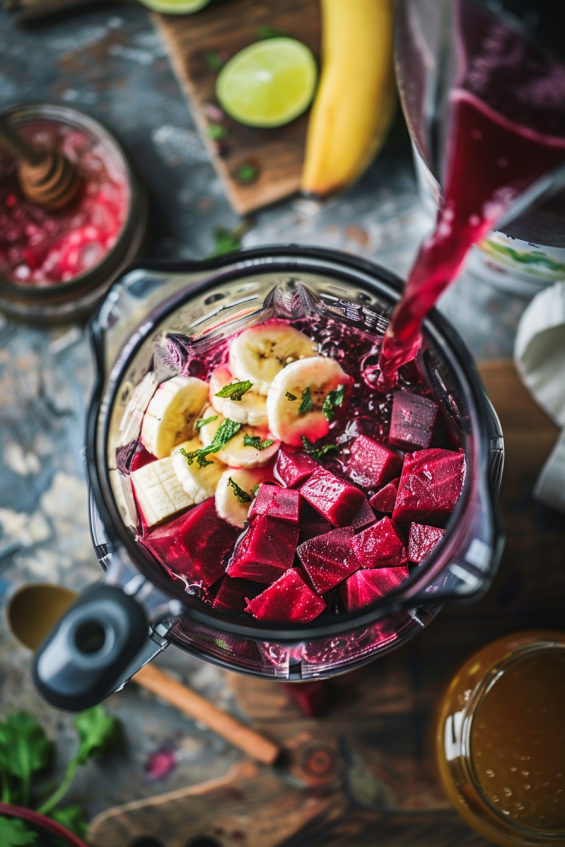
14 833
226 431
306 405
235 390
266 31
199 424
226 241
255 489
333 399
247 173
318 453
213 60
255 441
216 132
24 751
73 818
238 492
290 396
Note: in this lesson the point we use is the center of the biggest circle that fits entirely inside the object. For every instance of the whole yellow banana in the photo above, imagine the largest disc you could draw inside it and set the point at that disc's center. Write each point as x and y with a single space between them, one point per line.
356 97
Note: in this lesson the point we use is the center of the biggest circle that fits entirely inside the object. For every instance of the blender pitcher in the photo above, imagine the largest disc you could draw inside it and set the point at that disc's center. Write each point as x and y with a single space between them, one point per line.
138 609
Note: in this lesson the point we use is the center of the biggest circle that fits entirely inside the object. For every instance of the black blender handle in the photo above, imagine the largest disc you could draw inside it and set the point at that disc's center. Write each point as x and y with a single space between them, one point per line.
79 663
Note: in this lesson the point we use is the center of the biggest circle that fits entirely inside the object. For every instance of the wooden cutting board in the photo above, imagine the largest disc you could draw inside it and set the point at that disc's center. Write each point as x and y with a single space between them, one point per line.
364 773
218 32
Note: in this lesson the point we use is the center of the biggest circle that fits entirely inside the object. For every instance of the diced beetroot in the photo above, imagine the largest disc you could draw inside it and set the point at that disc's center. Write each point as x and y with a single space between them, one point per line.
422 540
141 457
293 468
281 503
380 546
328 559
195 544
310 697
335 499
384 500
412 420
430 485
371 463
287 599
232 594
368 585
404 560
265 551
364 517
313 528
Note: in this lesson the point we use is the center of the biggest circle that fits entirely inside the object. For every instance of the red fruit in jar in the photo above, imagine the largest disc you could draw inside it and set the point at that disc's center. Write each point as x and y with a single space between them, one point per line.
368 585
141 457
384 500
328 559
281 503
379 546
412 420
293 468
289 599
232 594
430 485
194 545
371 464
311 523
422 540
335 499
364 517
265 551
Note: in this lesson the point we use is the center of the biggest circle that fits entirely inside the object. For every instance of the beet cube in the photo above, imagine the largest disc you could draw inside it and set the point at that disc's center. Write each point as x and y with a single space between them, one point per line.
371 463
422 540
287 599
195 544
336 500
364 517
233 593
368 585
265 551
379 546
430 485
328 559
412 420
384 500
281 503
293 468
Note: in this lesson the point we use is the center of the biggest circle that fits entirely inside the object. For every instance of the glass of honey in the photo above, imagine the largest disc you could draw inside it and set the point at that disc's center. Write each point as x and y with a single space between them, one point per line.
501 740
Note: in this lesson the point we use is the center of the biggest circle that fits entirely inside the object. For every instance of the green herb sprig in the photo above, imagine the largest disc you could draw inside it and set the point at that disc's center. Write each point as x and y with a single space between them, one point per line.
235 390
200 423
290 396
333 399
255 441
306 404
225 432
238 492
318 453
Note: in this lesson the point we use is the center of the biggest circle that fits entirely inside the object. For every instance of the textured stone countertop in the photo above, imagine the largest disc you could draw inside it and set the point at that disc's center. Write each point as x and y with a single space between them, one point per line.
112 64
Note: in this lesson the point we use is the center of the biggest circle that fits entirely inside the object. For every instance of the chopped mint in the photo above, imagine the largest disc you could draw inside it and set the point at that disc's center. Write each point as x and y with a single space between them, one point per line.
238 492
333 399
255 489
306 405
225 432
290 396
318 453
199 424
216 132
235 390
255 441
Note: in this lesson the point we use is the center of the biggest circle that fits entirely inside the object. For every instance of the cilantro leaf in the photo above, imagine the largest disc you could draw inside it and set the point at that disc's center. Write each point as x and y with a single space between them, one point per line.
255 441
306 405
224 433
24 749
235 390
97 731
73 817
290 396
318 453
333 399
199 424
238 492
14 833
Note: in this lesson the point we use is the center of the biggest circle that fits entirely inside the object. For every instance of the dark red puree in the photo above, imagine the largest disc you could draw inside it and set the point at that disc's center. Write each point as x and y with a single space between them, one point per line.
39 247
326 531
505 130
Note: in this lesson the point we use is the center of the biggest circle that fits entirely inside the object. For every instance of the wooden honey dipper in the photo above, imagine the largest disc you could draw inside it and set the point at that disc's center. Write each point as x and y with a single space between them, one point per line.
46 176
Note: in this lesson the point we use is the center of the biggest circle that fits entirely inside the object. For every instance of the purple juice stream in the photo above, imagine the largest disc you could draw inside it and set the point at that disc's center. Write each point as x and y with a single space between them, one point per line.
506 130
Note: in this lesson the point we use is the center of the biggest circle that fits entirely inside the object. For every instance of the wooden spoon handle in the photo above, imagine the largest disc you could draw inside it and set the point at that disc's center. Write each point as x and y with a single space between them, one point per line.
251 742
19 146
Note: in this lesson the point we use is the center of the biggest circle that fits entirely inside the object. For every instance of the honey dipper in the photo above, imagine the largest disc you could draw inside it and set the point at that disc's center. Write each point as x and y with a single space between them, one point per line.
46 177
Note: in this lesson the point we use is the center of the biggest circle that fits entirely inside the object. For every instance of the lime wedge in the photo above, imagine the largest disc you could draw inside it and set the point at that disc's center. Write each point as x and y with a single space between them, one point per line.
176 7
268 83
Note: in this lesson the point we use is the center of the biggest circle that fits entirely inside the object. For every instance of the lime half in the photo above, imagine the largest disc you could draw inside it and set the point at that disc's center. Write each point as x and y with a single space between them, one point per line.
268 83
176 7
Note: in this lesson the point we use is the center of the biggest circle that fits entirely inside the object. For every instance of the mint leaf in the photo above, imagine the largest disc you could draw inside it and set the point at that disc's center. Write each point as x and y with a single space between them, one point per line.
333 399
255 489
290 396
73 817
97 731
255 441
306 405
199 424
235 390
15 833
318 453
224 433
238 492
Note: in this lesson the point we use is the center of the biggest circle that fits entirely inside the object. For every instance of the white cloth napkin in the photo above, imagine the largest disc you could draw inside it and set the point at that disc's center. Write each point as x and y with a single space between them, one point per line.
539 354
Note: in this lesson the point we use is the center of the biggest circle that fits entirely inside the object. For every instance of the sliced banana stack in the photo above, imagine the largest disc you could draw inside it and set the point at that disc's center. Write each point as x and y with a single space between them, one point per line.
170 415
296 399
260 352
237 453
234 493
158 492
250 408
198 483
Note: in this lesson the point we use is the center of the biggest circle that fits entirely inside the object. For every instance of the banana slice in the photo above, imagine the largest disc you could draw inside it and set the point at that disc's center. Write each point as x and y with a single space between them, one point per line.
171 413
251 409
296 398
158 492
260 352
236 453
231 502
198 483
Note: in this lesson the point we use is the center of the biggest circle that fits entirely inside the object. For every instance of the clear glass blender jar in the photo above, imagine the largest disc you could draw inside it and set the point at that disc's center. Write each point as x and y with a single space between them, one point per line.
118 626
